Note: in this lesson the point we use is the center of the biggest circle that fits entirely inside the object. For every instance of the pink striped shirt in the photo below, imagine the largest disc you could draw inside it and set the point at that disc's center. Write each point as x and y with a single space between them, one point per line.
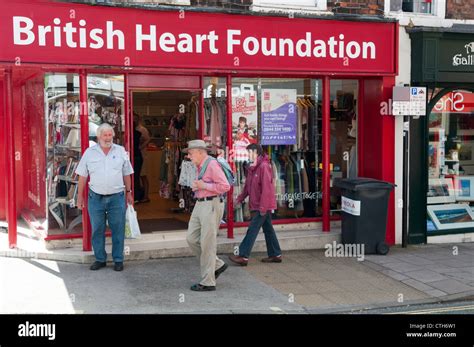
215 179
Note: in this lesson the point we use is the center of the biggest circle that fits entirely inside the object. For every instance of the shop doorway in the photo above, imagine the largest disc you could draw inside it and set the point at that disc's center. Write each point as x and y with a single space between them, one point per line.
163 122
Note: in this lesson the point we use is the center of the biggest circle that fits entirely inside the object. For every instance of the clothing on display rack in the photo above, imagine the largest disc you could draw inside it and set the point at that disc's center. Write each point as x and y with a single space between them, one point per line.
177 128
307 126
215 120
169 169
192 119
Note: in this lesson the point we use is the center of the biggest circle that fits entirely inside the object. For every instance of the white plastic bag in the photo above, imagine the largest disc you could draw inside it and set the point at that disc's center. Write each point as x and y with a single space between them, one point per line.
132 229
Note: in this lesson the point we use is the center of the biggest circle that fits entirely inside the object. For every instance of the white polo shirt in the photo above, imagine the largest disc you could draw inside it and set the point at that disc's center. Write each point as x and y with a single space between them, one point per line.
106 171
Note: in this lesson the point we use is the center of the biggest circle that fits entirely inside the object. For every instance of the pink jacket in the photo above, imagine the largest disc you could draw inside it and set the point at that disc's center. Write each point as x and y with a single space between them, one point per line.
259 186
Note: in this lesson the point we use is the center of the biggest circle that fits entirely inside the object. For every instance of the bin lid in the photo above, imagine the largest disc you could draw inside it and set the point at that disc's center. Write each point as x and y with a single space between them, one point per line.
362 183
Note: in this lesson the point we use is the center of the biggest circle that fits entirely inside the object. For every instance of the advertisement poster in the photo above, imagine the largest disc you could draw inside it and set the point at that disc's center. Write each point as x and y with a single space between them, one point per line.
244 123
278 117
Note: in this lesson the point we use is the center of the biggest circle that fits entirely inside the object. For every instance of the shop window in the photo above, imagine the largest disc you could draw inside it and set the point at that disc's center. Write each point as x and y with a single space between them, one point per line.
417 6
284 116
105 105
450 197
64 150
343 151
412 6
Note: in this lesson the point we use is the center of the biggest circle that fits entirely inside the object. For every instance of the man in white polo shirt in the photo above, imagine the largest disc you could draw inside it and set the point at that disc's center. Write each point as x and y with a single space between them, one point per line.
110 171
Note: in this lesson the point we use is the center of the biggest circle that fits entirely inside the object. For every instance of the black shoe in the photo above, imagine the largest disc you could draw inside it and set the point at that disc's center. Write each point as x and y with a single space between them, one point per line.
97 265
220 270
118 266
200 288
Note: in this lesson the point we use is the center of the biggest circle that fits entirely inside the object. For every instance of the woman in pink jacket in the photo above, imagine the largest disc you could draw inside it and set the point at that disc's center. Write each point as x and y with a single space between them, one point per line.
259 187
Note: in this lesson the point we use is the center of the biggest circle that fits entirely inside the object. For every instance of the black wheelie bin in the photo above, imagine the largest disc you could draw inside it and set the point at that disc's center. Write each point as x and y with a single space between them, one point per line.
364 212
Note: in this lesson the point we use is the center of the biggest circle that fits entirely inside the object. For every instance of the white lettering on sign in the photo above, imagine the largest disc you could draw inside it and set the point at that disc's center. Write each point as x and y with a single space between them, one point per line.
25 33
465 60
451 103
79 35
351 206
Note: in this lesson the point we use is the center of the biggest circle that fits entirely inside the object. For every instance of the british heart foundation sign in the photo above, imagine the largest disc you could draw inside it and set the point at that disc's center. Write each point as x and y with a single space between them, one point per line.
61 33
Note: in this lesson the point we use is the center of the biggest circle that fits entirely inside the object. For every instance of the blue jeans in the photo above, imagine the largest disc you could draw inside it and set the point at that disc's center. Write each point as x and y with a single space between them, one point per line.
257 222
111 208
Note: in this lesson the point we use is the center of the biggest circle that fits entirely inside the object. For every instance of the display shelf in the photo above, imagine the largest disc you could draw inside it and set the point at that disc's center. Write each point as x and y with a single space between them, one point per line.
67 178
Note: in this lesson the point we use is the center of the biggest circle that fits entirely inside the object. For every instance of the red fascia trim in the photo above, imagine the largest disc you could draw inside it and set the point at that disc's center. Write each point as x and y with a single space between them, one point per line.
230 144
397 47
93 69
326 132
10 161
83 96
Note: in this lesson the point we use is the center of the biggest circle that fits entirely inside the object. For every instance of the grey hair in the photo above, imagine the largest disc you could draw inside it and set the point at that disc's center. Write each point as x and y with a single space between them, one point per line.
105 126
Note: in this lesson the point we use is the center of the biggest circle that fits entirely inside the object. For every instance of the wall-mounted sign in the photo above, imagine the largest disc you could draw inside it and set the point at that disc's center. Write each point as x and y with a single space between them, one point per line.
409 101
126 37
456 55
465 58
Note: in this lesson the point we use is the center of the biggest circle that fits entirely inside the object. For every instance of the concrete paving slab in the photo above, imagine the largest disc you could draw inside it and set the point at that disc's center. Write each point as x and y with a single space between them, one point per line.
451 286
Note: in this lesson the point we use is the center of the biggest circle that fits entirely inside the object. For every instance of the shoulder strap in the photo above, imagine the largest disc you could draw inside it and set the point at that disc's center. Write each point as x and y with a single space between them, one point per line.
204 168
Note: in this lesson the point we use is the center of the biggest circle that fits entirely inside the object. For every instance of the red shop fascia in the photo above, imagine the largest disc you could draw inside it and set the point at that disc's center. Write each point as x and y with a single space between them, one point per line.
143 46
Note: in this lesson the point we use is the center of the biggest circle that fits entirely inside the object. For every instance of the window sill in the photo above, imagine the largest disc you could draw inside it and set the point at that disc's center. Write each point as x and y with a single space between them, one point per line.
296 10
418 19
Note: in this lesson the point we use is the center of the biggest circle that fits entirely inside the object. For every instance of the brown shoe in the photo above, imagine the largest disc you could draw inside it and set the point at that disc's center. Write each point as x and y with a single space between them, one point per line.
277 259
237 259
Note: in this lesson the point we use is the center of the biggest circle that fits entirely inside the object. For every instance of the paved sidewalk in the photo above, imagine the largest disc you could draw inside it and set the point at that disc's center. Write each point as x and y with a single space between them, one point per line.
436 270
306 282
144 287
424 273
323 284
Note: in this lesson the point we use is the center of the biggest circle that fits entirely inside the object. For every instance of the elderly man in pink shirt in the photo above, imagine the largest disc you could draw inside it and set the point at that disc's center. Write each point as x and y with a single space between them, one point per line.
207 213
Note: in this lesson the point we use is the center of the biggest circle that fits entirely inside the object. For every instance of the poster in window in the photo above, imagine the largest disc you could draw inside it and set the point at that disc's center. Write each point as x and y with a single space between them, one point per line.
278 122
244 123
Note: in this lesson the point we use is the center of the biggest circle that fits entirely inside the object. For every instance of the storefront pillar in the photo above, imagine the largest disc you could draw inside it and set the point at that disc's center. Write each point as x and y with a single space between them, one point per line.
378 142
10 162
326 132
388 161
86 228
230 194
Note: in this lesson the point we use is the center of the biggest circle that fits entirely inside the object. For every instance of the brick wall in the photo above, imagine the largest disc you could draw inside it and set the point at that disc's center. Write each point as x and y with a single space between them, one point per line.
460 9
234 4
361 7
226 4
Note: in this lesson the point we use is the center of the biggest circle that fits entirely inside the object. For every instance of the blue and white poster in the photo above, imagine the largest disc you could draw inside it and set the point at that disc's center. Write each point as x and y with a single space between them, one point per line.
278 121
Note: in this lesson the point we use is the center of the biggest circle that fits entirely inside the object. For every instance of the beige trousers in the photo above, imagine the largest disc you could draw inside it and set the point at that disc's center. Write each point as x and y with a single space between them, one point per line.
202 237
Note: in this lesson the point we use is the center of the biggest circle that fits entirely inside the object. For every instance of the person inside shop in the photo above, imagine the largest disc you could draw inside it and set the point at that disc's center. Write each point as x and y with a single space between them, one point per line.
260 189
137 163
108 166
145 139
207 213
